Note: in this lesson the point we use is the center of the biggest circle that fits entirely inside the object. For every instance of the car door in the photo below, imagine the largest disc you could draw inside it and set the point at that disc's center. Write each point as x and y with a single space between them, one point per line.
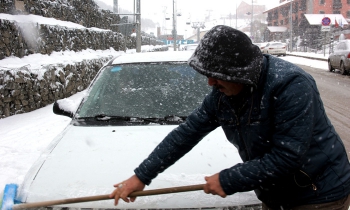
338 54
343 53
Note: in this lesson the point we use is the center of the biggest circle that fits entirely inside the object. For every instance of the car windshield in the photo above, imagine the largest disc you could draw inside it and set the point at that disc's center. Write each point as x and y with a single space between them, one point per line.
145 90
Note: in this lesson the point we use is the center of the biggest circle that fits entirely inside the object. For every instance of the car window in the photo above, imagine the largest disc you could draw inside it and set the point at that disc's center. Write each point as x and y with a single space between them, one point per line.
145 90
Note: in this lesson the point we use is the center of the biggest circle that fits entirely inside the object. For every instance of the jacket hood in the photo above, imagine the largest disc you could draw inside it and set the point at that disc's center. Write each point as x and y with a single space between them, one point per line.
228 54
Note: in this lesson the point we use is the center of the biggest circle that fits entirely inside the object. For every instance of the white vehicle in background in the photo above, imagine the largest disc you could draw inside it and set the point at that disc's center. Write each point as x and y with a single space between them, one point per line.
275 48
190 47
261 45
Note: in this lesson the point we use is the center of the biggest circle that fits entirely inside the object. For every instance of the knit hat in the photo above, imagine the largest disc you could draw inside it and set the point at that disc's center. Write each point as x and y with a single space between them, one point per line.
228 54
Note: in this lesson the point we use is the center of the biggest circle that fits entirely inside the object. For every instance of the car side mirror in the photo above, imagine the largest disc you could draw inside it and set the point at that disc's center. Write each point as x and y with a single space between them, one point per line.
60 111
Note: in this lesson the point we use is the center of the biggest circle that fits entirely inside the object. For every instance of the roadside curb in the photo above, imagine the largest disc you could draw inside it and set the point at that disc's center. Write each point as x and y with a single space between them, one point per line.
304 56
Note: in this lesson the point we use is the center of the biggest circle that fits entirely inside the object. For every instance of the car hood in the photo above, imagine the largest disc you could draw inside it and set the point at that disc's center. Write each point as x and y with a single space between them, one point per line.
87 161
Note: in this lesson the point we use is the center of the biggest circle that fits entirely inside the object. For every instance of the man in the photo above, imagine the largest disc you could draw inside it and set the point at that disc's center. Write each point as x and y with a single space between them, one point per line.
272 112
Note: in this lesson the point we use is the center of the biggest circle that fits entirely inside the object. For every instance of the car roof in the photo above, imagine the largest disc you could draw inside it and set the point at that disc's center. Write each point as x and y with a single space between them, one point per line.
150 57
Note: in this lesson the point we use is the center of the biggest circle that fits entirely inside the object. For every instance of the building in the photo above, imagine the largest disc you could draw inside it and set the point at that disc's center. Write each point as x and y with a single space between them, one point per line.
295 10
244 10
253 13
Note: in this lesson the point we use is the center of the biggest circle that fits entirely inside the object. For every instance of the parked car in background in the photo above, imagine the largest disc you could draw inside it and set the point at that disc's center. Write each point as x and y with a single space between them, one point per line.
340 57
190 47
275 48
261 45
132 104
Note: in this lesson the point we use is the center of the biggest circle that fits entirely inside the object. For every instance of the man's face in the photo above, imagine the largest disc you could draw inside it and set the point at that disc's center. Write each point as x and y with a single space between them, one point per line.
228 88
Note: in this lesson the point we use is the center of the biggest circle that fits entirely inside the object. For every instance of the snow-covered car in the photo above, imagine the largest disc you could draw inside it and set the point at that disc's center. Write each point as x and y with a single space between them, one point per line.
132 104
340 57
275 48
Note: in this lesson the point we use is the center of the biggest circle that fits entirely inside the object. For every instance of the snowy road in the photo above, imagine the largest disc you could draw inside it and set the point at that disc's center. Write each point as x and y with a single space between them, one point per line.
334 89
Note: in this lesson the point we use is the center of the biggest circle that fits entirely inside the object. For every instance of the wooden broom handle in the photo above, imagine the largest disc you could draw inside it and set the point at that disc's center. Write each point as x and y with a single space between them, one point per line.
106 197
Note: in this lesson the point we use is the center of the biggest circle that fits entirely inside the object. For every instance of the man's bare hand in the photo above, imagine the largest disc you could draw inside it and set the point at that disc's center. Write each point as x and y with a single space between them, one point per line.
213 186
123 189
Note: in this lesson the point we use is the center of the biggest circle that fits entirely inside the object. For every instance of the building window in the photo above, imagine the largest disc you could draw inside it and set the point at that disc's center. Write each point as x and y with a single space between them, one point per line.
302 6
321 12
336 12
281 22
348 1
275 23
322 1
348 14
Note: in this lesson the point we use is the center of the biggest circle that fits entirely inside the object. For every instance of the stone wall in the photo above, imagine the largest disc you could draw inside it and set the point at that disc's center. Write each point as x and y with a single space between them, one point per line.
6 6
21 39
23 90
83 12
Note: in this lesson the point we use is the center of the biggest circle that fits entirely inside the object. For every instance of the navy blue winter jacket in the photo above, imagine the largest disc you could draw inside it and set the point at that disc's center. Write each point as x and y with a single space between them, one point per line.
291 153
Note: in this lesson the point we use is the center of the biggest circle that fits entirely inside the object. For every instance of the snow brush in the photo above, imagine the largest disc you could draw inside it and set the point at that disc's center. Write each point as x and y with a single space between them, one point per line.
9 202
8 199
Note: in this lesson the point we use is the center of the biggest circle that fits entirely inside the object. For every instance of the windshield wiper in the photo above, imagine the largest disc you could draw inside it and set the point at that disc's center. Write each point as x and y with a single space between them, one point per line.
169 119
174 118
103 117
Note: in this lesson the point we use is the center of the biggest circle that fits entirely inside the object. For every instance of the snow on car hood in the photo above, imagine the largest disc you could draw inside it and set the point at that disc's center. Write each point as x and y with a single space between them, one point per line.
87 161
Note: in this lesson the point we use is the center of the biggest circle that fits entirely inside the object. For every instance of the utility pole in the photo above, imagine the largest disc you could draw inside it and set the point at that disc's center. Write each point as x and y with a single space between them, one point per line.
138 25
251 24
174 24
115 6
291 27
198 25
236 14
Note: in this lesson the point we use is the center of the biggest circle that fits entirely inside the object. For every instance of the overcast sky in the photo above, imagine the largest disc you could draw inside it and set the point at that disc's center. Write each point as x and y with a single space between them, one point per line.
193 10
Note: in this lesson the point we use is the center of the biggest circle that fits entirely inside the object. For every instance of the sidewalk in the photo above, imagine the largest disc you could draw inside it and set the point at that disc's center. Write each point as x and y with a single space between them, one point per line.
310 55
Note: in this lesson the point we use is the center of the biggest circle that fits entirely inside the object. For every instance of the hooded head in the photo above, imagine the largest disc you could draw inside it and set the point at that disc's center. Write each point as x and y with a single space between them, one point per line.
228 54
